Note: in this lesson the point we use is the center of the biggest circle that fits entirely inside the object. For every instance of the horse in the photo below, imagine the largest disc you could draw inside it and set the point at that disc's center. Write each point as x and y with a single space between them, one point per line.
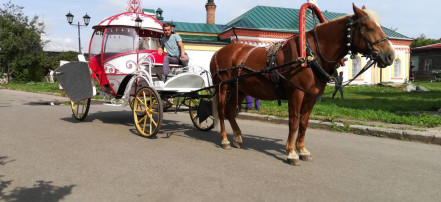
331 41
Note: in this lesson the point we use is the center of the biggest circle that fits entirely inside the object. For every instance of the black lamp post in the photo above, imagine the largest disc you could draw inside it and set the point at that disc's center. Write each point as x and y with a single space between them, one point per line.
138 23
86 18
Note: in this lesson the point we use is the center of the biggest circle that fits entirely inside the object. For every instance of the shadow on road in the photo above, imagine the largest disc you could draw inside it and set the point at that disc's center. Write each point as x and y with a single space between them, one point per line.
41 191
108 117
269 146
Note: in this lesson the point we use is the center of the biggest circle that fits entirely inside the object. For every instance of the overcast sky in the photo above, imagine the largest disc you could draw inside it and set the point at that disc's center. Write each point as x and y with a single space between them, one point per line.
409 17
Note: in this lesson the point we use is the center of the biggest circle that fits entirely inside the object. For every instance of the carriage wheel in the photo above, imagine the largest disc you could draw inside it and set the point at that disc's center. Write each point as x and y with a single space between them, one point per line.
80 109
147 112
131 99
194 104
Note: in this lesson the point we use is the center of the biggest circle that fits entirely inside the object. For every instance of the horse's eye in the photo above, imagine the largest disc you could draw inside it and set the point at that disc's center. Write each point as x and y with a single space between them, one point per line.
369 29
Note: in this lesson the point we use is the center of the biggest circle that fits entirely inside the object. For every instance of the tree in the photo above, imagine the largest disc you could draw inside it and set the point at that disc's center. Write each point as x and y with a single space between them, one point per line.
422 40
21 47
53 62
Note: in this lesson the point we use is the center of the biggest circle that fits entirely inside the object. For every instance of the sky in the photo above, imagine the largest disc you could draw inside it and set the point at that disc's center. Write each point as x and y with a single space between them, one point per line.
408 17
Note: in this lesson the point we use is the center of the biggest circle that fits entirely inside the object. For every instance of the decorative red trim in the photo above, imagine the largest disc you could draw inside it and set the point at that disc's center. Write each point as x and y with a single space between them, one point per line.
401 42
102 48
128 53
302 32
117 15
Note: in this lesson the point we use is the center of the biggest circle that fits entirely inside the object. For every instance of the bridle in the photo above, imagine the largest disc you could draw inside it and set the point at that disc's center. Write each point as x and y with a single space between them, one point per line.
372 55
351 22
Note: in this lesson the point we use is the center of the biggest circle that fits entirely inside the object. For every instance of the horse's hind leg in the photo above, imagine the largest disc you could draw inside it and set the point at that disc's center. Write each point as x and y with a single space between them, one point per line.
304 154
221 112
237 98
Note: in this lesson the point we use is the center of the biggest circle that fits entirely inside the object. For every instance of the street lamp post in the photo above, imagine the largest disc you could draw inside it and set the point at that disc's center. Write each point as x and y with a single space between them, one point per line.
86 18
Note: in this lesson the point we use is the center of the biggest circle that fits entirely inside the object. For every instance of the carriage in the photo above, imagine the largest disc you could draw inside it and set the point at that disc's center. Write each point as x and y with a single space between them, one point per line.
124 65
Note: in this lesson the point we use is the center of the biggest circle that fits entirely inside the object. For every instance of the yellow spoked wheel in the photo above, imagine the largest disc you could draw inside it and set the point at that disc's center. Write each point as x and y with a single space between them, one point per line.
147 112
200 111
80 109
131 99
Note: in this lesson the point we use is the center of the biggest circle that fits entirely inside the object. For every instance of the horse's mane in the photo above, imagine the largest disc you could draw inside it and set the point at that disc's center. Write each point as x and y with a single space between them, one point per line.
373 16
370 13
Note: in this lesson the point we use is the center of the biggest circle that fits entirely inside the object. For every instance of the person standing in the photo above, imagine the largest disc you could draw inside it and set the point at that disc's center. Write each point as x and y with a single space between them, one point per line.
338 85
250 103
175 49
51 76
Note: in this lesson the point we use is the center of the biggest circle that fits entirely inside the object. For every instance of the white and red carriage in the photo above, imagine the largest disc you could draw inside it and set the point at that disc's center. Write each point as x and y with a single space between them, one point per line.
124 62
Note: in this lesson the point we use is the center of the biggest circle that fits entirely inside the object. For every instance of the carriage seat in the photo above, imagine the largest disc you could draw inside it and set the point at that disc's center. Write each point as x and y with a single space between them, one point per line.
97 68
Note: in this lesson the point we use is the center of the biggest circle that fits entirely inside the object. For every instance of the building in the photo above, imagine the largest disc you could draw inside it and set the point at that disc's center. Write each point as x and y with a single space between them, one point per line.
265 25
426 61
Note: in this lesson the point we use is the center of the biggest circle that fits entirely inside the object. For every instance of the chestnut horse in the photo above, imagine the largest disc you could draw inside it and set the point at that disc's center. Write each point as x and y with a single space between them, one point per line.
330 42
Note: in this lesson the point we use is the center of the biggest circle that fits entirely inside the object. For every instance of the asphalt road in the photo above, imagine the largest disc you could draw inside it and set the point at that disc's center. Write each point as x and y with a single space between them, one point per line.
46 155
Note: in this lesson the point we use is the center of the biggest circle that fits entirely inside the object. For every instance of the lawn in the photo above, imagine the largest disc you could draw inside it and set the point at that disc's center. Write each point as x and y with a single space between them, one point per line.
35 87
374 103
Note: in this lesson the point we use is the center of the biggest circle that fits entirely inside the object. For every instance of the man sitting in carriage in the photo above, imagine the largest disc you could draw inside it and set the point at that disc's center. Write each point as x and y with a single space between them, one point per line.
175 49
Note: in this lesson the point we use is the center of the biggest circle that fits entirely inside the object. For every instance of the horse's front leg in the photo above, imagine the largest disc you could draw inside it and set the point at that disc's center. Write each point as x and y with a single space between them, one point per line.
221 112
304 154
237 99
294 112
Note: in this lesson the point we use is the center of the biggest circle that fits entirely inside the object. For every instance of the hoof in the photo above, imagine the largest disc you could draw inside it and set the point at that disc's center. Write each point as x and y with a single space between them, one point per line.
294 162
237 144
226 146
305 157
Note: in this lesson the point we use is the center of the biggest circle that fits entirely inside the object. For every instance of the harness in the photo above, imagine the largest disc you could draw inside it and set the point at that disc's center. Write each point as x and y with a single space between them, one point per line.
310 60
274 74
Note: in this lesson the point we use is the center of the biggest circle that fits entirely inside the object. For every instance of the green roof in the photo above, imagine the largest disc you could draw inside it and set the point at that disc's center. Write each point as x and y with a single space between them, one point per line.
149 10
204 39
394 35
266 18
199 27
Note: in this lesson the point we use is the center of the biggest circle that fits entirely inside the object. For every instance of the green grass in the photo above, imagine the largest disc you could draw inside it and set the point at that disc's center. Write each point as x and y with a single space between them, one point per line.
374 103
35 87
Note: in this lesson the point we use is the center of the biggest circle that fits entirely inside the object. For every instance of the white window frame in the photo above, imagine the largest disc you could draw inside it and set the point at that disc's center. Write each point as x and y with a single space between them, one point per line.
397 68
427 64
356 66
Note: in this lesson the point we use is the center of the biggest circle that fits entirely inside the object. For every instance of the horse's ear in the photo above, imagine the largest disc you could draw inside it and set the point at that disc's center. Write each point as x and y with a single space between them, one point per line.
358 12
363 7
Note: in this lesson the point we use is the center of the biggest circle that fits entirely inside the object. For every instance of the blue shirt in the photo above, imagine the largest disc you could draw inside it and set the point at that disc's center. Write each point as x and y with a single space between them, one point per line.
172 44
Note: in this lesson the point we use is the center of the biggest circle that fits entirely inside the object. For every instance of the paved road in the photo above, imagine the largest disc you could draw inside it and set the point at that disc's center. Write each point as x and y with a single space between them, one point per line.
46 155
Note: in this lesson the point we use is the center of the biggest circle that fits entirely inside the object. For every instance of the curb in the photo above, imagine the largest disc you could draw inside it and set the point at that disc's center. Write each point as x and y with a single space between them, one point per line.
430 137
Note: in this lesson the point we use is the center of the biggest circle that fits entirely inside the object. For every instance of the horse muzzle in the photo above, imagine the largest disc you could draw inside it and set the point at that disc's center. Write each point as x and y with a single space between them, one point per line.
383 59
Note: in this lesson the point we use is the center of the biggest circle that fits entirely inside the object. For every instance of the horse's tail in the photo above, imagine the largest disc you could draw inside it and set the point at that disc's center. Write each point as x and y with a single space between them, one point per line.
214 104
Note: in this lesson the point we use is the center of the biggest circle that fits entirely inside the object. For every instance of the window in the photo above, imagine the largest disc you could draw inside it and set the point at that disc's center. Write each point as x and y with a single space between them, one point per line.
148 43
427 64
120 40
95 46
356 66
397 68
414 62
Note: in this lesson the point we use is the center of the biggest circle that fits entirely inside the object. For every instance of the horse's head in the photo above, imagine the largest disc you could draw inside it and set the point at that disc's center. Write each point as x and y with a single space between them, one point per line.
368 37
